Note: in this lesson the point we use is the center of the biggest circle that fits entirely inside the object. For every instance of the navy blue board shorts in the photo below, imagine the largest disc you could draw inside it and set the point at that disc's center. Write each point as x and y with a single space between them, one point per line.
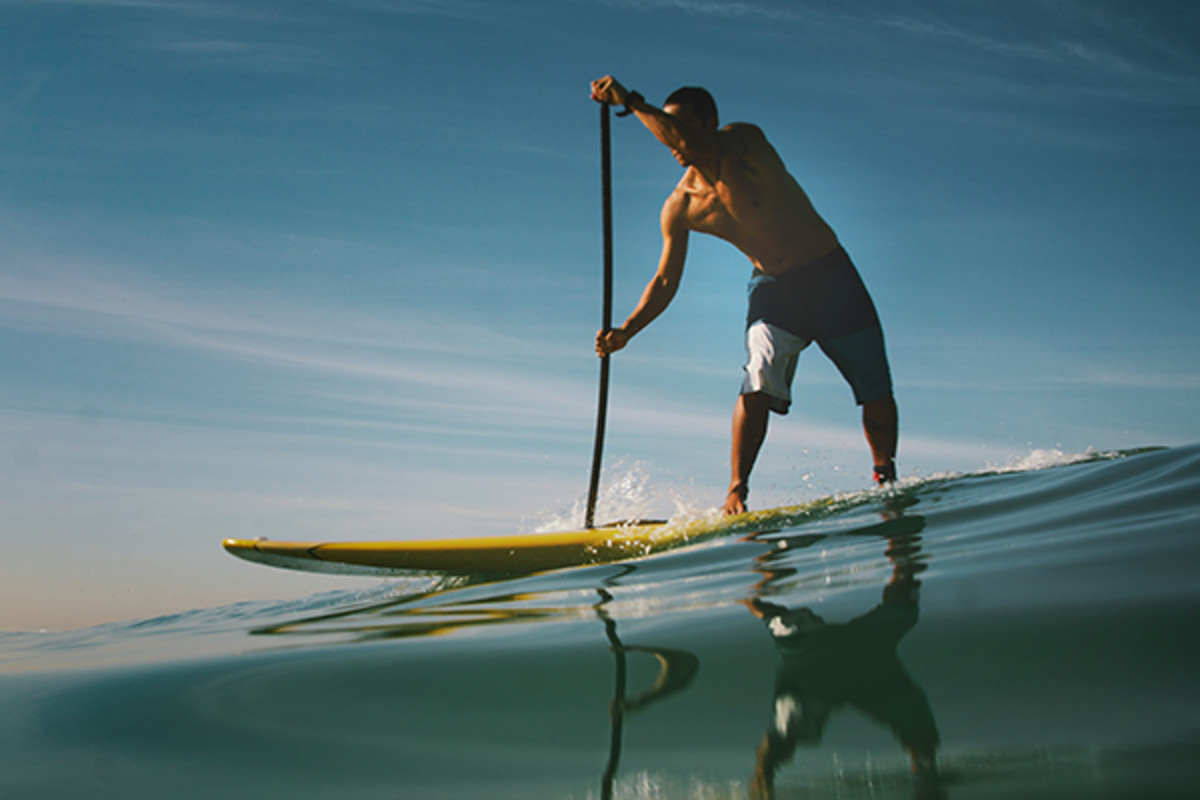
825 302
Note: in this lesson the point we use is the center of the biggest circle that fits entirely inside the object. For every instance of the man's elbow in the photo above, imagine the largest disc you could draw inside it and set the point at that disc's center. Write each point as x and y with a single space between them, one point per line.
666 288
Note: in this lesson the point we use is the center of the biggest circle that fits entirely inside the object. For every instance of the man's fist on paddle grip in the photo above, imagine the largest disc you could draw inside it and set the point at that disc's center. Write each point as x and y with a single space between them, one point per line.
610 341
608 90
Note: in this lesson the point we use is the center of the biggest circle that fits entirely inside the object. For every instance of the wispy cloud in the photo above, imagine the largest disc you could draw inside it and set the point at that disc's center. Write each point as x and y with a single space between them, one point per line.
406 372
254 55
169 5
720 8
1109 50
1058 51
1110 377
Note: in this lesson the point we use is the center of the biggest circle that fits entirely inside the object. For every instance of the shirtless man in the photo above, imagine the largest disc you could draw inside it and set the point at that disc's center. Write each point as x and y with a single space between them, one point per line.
803 289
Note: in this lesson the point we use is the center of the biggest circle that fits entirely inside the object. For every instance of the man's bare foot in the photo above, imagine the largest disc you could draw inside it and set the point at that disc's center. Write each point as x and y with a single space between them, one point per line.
735 501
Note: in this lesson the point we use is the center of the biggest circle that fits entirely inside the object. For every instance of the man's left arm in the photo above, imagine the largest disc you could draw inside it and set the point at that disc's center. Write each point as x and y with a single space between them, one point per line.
662 287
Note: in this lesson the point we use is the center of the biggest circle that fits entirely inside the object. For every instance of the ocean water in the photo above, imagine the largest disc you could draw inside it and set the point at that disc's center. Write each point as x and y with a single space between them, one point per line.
1031 632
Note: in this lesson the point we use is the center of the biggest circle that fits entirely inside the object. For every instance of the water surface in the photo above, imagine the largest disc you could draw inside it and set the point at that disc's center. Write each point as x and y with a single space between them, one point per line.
1027 634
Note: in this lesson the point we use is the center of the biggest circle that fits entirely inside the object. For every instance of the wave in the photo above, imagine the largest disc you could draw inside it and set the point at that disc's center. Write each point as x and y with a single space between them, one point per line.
1047 493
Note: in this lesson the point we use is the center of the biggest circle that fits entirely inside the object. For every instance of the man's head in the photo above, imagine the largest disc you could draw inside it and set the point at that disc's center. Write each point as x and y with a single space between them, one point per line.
696 102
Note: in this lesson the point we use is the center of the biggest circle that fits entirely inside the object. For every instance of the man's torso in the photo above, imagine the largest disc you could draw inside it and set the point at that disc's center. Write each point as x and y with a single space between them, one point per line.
749 199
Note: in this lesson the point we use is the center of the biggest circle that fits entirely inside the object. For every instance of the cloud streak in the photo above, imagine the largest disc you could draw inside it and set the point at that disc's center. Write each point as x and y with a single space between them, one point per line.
390 373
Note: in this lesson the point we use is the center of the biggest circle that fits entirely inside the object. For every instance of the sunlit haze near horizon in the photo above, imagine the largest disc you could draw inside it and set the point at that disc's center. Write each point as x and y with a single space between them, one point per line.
332 270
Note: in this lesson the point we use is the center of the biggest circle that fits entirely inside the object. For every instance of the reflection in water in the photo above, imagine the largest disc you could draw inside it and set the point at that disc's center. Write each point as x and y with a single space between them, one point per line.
825 668
831 666
430 613
424 614
677 668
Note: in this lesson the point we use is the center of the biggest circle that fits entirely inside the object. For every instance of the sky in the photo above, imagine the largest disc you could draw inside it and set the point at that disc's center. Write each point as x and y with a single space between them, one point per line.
331 269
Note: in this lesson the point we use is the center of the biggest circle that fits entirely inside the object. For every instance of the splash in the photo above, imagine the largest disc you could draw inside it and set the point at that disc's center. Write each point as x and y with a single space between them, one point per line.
630 494
1045 459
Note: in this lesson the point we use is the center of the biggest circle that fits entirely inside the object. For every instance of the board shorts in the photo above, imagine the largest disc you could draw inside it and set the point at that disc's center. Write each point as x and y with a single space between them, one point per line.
825 302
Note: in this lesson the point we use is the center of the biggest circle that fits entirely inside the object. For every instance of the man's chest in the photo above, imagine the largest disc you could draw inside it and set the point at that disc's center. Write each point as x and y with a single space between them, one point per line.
707 211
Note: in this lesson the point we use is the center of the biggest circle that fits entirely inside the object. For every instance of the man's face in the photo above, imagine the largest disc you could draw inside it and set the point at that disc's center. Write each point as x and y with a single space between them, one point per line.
689 118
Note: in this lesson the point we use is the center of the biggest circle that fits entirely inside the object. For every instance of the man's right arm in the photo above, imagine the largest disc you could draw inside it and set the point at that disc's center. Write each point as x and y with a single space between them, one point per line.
680 136
662 287
694 143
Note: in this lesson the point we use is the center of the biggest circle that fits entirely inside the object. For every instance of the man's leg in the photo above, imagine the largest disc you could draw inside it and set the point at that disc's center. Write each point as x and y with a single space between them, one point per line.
749 430
882 425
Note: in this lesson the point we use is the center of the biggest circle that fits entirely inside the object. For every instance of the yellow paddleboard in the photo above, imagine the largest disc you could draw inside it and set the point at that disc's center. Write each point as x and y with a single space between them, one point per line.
511 555
488 555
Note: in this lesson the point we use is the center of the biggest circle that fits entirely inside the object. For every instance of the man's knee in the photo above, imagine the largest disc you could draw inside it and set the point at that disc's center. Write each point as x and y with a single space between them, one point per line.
757 401
880 407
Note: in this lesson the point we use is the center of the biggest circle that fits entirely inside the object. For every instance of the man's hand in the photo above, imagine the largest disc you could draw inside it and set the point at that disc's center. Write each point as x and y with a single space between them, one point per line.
610 341
608 90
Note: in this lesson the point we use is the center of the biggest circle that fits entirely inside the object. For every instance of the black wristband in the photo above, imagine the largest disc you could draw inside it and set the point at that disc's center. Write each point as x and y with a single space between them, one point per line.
630 99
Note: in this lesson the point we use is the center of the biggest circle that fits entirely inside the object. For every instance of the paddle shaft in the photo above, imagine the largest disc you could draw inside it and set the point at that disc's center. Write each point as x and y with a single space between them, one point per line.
602 403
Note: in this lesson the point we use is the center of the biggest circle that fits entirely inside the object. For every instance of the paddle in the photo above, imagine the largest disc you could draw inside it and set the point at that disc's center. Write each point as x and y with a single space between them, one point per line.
602 404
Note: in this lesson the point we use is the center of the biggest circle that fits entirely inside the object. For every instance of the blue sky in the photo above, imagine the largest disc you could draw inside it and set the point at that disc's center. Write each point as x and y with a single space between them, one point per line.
331 270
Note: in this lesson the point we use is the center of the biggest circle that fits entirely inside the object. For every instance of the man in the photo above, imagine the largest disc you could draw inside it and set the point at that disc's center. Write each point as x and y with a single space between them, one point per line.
803 289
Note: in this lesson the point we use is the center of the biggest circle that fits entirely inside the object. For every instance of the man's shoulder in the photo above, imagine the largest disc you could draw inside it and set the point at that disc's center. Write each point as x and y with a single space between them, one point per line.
742 128
741 136
747 144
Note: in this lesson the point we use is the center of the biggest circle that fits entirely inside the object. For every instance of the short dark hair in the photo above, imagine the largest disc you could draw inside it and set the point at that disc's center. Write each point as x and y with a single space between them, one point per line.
696 100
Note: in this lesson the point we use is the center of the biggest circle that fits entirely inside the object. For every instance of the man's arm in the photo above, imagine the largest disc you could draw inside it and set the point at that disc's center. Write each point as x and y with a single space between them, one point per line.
693 142
662 287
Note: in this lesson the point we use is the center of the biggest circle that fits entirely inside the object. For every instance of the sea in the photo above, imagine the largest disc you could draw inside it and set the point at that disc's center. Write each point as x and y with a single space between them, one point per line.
1023 632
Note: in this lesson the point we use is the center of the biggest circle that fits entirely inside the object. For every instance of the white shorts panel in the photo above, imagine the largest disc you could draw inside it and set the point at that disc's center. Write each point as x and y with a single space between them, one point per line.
771 364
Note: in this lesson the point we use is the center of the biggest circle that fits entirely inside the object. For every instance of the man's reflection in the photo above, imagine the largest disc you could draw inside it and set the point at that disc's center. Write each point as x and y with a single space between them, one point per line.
830 666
